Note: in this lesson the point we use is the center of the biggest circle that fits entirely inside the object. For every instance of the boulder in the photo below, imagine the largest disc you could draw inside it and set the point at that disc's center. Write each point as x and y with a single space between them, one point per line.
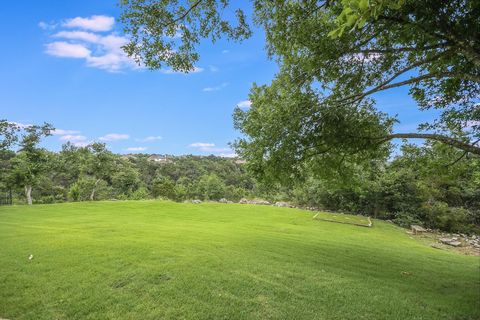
282 204
445 240
260 202
455 243
416 229
196 201
223 200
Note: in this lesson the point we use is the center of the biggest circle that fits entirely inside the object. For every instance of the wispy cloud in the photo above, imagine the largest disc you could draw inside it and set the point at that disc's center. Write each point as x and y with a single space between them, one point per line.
213 149
245 104
99 50
47 25
73 138
201 145
213 68
217 88
20 125
114 137
136 149
67 50
94 23
94 40
225 51
61 132
150 139
76 140
228 155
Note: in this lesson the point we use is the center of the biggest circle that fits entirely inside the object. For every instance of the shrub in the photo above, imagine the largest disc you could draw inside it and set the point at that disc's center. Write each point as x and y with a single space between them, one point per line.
140 194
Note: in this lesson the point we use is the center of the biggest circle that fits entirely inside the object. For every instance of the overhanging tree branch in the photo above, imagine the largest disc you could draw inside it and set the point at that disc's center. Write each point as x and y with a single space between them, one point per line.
472 148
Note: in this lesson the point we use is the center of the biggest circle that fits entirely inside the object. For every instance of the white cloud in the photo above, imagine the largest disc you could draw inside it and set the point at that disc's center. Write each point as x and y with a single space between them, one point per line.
67 50
211 148
136 149
76 140
61 132
228 155
47 26
94 23
20 125
78 35
201 145
217 88
150 139
114 137
73 138
245 104
213 68
99 51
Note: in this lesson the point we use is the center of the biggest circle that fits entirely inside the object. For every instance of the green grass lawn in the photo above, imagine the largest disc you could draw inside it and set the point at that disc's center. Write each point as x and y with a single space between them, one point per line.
342 218
163 260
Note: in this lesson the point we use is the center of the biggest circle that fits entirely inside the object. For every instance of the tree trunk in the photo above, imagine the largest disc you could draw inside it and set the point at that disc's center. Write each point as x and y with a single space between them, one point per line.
472 148
92 195
28 194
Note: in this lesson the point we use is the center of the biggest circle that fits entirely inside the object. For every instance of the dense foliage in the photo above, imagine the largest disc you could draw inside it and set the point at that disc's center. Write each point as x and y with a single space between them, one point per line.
433 185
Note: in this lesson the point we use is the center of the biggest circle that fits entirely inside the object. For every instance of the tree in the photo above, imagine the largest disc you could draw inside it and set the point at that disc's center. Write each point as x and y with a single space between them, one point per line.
30 162
126 179
101 165
334 56
8 134
210 187
163 187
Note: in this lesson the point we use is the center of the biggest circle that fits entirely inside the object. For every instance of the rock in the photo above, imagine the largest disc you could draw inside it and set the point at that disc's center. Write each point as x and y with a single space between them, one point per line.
436 246
196 201
30 257
455 243
416 229
259 202
451 241
223 200
282 204
445 240
255 201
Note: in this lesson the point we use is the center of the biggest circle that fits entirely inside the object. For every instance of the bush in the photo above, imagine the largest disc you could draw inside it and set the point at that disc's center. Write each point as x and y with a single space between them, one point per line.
440 216
82 188
405 219
140 194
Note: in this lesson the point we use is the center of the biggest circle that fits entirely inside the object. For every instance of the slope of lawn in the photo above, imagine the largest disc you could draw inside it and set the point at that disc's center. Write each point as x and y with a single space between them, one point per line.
342 218
163 260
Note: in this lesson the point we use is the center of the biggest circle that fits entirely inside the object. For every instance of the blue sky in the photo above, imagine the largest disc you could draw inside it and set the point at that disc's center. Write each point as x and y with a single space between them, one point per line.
61 64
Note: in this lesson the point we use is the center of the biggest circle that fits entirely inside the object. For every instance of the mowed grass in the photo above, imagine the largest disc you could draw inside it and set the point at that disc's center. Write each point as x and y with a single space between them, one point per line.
342 218
163 260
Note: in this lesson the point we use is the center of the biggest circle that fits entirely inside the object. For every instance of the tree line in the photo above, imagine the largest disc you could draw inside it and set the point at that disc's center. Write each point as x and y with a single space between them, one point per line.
432 185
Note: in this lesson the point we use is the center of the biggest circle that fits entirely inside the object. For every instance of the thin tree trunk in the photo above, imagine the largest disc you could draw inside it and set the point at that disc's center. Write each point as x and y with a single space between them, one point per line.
438 137
92 195
28 194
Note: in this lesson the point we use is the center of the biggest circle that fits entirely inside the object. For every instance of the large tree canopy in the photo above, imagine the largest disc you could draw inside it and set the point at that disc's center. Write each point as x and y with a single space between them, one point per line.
334 56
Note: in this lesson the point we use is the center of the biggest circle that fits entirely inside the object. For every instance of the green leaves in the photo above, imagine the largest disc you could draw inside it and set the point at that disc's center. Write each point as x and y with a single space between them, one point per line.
356 13
167 33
